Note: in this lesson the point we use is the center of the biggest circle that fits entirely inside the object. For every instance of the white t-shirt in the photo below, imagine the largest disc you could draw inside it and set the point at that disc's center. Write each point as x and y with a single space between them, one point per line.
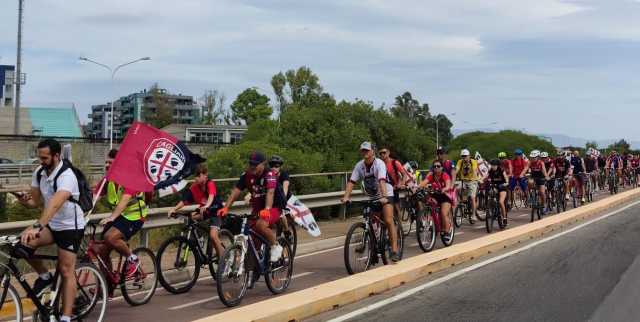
70 213
370 177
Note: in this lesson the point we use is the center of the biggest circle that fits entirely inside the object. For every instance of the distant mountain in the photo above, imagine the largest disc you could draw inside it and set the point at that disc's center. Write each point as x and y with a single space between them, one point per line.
559 140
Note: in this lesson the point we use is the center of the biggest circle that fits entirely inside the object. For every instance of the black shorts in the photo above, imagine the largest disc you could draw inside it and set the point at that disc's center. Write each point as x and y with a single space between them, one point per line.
127 227
68 240
539 181
396 196
441 198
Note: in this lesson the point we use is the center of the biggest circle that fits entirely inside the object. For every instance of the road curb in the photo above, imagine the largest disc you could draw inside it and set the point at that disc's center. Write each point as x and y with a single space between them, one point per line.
325 297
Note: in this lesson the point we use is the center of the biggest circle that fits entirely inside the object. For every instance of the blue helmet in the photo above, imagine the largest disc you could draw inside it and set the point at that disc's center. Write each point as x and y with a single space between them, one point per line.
519 152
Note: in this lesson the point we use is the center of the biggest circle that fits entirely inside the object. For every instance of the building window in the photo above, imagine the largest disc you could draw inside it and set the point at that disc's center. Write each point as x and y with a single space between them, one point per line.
235 138
207 137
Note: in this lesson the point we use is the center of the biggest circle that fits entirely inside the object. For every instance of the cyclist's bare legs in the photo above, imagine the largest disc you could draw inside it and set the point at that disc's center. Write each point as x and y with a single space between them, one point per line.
445 208
66 267
262 228
114 239
503 209
45 239
215 239
387 217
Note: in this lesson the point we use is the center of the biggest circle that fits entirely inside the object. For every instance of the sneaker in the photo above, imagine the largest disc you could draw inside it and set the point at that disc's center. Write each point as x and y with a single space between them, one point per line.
276 253
583 200
132 267
40 285
567 197
504 222
395 257
447 238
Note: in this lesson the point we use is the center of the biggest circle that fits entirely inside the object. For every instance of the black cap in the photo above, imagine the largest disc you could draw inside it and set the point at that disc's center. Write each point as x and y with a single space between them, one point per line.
440 150
256 157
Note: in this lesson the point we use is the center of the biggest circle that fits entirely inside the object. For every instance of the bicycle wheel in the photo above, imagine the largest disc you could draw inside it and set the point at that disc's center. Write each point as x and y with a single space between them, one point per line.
425 231
11 304
399 238
226 239
232 277
458 214
139 288
491 217
178 264
278 274
452 231
534 204
91 291
357 249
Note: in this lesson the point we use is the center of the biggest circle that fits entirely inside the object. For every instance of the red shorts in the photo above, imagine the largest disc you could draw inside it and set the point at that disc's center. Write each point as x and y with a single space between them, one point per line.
274 217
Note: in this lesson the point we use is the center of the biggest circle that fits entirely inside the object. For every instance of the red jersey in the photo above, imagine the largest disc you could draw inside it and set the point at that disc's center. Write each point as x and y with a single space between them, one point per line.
201 193
536 167
394 168
506 166
635 163
438 182
258 187
518 166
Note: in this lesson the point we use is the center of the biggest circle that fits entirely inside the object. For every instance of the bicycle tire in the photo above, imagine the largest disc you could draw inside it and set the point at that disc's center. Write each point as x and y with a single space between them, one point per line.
489 222
229 256
425 227
97 293
12 293
223 235
367 247
148 264
383 245
458 216
400 238
178 265
286 260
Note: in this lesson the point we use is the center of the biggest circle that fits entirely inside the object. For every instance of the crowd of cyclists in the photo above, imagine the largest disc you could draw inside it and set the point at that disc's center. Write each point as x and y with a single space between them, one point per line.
437 200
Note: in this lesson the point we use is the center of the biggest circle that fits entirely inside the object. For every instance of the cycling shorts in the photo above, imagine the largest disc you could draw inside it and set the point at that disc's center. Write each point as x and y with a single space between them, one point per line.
127 227
522 182
274 216
68 240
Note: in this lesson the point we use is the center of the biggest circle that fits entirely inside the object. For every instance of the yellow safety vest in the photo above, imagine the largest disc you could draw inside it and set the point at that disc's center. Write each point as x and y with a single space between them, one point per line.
136 209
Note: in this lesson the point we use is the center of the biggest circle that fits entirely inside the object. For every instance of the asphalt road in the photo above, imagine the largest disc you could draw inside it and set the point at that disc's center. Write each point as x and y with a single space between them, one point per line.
590 274
309 270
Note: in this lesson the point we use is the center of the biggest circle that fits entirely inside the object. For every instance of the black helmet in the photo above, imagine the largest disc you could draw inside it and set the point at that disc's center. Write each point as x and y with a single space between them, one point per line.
276 160
495 162
413 165
441 150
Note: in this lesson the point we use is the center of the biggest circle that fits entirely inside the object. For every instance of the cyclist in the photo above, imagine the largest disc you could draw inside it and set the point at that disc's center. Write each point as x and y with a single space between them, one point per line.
602 165
614 163
398 176
373 173
562 169
467 168
578 169
505 163
448 166
282 191
498 176
416 171
539 176
591 167
203 192
261 184
128 212
442 184
518 165
55 188
635 166
551 171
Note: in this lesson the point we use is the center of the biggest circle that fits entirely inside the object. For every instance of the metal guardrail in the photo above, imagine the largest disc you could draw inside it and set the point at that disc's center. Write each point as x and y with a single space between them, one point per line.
19 173
157 217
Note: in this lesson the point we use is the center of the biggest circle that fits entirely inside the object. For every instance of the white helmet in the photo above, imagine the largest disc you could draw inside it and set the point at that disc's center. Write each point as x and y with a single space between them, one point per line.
544 155
534 154
465 153
589 152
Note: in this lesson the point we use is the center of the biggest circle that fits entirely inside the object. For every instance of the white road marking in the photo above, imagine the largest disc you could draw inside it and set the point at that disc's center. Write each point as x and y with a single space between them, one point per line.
463 271
190 304
319 252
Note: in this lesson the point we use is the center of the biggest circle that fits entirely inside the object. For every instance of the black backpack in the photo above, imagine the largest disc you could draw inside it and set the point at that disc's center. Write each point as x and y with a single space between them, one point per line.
85 200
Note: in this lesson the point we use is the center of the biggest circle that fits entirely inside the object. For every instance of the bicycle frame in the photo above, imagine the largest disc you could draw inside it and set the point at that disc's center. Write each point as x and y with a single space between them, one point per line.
192 231
246 239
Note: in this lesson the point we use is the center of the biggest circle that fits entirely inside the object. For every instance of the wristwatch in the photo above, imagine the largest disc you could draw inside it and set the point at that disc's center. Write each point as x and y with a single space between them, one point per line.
37 226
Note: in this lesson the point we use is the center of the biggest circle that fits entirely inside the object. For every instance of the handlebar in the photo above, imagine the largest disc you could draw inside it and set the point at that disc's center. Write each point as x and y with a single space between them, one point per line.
9 240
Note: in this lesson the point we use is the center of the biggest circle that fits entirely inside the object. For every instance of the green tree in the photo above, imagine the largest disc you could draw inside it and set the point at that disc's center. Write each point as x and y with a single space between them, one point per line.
621 146
301 87
213 109
490 144
591 144
158 111
251 106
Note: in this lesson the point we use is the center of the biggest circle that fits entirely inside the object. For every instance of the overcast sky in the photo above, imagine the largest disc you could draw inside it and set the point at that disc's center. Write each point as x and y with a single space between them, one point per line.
547 65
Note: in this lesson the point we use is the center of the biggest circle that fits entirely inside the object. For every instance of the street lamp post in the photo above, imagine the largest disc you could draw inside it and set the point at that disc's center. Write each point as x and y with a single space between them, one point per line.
113 72
437 119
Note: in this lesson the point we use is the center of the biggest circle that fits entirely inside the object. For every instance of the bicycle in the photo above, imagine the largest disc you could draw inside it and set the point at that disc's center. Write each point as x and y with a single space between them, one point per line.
559 195
91 289
137 289
429 223
369 240
602 179
534 201
249 254
181 257
463 209
408 209
587 189
494 211
612 181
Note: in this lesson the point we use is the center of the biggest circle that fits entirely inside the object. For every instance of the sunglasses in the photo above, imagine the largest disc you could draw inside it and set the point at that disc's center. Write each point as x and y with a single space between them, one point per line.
437 166
384 152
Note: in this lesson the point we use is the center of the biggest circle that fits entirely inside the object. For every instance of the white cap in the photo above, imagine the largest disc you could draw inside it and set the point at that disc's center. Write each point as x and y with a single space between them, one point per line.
465 153
534 154
366 146
544 155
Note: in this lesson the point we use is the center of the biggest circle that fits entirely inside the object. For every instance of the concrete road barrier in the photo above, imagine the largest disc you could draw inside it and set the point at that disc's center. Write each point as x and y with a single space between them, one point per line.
325 297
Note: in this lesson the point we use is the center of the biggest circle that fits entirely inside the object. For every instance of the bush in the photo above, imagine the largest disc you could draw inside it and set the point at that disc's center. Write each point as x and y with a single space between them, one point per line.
490 144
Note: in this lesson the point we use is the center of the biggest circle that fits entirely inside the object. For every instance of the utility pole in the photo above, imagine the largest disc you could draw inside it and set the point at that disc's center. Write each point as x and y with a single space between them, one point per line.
18 76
